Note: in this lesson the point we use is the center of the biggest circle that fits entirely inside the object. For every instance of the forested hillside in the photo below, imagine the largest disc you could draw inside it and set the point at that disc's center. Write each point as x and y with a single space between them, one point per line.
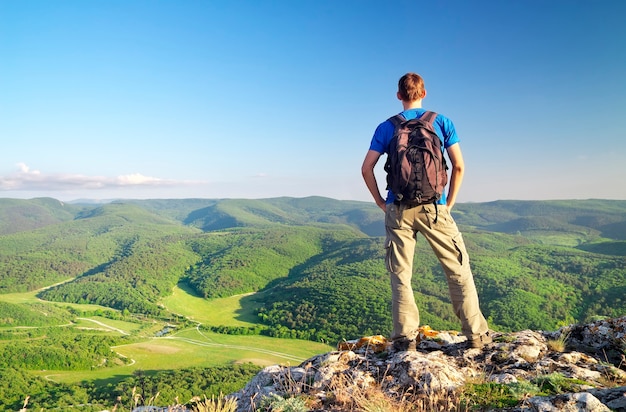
115 241
18 215
537 264
581 219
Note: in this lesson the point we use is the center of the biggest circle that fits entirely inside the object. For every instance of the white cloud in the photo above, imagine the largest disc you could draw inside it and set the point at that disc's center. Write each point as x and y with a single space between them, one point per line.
26 179
25 169
139 179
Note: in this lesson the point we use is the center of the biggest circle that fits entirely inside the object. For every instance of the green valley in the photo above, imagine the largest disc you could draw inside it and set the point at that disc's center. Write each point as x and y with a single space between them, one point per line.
99 300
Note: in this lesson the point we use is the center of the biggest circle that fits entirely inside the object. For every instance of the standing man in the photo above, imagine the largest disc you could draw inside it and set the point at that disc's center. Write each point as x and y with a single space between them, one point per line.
434 222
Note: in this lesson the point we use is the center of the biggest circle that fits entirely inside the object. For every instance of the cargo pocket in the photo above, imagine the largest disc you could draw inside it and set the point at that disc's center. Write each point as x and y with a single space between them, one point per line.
393 262
388 246
393 216
444 216
438 217
459 244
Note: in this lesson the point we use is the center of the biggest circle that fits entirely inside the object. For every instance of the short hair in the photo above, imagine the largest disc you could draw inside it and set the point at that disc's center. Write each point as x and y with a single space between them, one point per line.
411 87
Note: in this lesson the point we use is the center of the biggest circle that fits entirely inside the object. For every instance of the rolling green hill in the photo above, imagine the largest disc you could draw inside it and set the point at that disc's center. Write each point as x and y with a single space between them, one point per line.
19 216
242 261
606 218
94 241
211 215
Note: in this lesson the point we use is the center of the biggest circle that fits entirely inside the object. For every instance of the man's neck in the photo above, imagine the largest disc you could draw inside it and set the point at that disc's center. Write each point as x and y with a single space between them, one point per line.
416 104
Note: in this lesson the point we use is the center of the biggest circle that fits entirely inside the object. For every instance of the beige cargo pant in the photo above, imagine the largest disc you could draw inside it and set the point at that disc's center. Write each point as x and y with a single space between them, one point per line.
402 225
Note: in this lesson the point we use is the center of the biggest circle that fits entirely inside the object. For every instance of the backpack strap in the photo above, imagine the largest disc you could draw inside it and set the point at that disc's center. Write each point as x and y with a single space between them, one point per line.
397 120
429 117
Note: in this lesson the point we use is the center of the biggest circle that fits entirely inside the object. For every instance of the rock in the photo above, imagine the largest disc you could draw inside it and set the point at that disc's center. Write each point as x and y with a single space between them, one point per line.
568 402
614 398
443 364
262 385
429 373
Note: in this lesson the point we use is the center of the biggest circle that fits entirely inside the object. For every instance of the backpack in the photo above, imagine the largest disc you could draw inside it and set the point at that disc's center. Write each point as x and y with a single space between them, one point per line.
416 167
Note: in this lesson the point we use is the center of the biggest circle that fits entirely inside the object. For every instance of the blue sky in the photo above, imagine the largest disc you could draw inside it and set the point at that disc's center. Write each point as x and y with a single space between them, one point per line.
256 99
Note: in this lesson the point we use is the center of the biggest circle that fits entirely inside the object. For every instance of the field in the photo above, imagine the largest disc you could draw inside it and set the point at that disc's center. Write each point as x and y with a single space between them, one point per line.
215 312
190 347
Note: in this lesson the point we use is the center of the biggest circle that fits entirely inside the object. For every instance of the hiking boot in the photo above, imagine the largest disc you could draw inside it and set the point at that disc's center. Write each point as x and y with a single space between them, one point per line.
479 341
403 345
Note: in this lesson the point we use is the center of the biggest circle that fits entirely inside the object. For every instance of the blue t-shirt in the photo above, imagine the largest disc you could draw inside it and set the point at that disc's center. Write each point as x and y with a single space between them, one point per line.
384 133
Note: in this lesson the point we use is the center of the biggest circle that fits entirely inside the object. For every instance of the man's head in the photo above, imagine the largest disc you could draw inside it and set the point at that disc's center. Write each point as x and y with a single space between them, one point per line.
411 88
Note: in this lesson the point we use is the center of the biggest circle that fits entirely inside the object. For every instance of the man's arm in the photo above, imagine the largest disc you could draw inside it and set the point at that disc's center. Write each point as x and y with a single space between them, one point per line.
456 176
367 170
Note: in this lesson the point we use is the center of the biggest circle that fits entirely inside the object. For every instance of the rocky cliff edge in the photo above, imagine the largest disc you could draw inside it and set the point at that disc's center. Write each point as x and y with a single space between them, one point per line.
577 368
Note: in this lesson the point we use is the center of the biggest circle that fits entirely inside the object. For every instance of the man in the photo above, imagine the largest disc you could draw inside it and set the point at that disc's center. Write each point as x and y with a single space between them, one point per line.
435 223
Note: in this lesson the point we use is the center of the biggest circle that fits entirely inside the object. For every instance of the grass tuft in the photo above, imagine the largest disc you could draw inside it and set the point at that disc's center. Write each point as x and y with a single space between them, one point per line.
221 404
559 344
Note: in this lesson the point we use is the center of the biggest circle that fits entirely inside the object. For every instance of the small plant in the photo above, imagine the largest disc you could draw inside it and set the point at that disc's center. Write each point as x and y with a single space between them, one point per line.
556 383
488 394
523 389
277 403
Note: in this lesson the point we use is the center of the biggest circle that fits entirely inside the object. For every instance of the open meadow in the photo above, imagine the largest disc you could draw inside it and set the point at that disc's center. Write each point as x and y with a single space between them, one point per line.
215 312
181 348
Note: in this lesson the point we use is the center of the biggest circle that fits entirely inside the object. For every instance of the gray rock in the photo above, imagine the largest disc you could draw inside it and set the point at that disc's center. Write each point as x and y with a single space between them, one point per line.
614 398
568 402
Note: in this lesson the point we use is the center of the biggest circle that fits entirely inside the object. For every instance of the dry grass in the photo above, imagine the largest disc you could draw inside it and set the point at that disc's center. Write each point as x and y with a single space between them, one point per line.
220 404
348 395
138 400
291 384
613 376
559 344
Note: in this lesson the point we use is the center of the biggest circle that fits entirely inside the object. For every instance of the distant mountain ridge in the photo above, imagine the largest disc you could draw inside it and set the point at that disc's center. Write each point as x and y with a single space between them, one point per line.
607 217
18 215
